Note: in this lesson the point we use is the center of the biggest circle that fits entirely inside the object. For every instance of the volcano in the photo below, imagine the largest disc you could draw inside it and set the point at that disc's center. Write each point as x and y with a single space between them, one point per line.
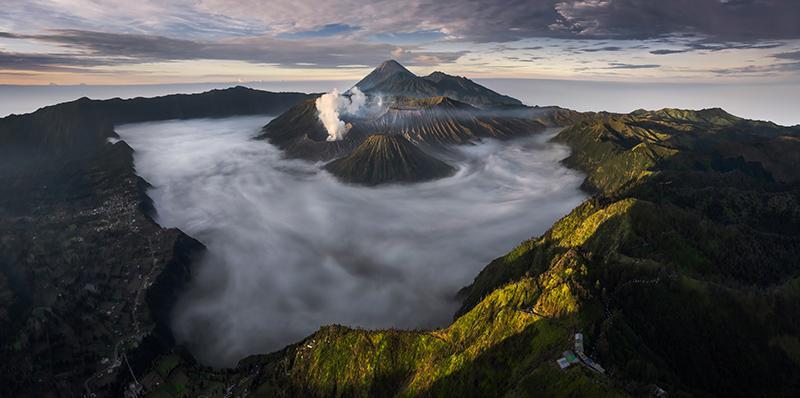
430 112
393 79
388 159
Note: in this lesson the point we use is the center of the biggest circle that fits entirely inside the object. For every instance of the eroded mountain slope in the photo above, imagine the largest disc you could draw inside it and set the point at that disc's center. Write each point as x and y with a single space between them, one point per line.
85 273
681 272
388 158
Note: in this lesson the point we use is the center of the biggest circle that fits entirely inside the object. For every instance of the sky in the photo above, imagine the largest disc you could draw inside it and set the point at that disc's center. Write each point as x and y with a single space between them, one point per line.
182 41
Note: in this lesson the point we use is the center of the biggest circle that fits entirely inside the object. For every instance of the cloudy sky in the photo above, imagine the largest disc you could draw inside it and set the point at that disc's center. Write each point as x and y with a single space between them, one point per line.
158 41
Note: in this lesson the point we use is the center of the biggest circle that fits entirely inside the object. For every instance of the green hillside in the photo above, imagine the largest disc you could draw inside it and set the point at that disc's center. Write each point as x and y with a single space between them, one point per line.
681 271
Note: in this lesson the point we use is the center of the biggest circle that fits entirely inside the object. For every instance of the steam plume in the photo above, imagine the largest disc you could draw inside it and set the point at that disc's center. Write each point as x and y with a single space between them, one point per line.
331 105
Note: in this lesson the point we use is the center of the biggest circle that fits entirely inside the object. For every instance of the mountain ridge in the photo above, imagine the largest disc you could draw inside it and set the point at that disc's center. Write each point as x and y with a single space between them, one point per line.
85 271
384 71
677 271
436 110
434 121
391 78
681 270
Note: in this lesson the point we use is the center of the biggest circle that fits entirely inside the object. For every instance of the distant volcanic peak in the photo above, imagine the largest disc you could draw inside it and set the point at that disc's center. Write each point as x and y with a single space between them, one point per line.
391 78
390 69
435 111
386 159
391 66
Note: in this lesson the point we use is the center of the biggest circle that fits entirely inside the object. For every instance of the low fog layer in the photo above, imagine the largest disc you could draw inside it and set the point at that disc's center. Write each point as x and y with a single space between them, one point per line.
291 249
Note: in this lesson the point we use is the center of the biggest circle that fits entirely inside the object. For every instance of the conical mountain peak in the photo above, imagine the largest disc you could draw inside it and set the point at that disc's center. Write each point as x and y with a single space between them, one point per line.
388 159
389 71
392 66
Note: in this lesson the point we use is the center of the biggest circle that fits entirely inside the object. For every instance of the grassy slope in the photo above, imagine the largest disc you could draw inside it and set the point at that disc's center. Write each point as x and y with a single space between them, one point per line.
682 271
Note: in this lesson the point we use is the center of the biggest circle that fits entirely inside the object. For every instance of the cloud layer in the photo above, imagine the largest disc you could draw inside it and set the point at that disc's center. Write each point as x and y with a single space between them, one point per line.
498 21
94 48
73 36
291 249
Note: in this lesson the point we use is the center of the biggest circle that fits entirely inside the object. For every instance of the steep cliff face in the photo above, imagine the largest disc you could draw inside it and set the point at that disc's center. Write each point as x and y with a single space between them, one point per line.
87 273
684 247
681 273
388 159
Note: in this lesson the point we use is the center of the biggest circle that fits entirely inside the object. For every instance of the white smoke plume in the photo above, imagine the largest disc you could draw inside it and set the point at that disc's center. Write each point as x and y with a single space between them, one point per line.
331 105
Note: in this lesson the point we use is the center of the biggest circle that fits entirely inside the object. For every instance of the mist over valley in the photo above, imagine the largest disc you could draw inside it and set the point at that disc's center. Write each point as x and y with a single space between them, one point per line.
290 248
425 198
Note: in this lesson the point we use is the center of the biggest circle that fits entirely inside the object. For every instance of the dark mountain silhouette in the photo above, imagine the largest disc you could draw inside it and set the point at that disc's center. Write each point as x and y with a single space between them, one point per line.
80 128
84 270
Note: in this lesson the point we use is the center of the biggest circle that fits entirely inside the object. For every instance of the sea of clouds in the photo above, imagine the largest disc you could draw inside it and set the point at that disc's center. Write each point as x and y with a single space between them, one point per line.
291 249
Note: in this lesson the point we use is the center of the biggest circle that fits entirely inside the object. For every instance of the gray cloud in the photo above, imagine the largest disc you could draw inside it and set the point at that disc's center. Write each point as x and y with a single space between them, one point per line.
710 46
276 32
618 65
788 55
476 21
706 45
498 21
763 70
49 62
744 20
667 51
525 59
102 48
601 49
